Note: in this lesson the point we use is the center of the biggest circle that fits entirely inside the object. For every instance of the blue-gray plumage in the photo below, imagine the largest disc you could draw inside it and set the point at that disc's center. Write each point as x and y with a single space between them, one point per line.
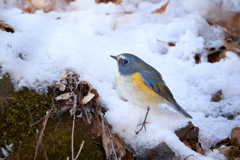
143 85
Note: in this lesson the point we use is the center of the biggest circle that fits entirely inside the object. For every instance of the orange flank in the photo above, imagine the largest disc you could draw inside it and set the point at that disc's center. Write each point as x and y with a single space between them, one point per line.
146 92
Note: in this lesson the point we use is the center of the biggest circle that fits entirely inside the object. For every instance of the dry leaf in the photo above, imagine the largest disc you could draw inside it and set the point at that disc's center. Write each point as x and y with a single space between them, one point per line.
228 20
49 7
225 142
187 144
68 1
170 44
198 148
64 96
207 151
106 1
197 58
231 25
162 9
235 137
89 95
128 156
87 98
120 145
193 144
38 4
6 27
232 46
189 132
230 152
216 97
216 55
202 152
119 2
28 7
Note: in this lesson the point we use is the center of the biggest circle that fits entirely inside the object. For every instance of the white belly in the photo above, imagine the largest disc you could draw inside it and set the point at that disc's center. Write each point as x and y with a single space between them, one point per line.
127 91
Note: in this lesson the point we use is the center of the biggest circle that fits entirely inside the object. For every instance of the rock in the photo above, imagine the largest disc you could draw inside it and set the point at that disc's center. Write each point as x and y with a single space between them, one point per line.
160 152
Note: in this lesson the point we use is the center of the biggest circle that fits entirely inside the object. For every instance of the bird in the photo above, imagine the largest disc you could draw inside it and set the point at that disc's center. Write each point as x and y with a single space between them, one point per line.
138 82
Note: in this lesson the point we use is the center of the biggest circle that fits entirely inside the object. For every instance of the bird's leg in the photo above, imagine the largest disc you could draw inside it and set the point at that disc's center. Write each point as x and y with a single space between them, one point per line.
144 122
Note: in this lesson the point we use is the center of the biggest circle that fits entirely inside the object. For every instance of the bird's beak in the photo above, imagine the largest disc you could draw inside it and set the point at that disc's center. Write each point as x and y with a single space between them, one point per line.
114 57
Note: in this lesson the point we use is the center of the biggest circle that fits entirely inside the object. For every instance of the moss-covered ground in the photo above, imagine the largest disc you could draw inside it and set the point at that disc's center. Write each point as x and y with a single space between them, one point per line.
19 113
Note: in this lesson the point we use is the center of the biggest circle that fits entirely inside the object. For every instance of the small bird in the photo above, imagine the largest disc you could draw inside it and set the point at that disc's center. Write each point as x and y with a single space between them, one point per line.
141 84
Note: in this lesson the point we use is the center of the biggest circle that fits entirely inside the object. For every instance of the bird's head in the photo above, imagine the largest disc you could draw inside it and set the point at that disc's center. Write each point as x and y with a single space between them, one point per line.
128 63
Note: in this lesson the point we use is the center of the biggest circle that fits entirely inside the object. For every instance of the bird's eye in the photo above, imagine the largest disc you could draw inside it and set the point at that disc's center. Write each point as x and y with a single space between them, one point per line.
125 61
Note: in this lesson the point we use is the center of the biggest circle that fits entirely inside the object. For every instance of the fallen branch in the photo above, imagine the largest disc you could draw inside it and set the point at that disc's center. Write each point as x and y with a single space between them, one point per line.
105 137
80 150
111 138
188 156
20 146
38 121
44 150
74 116
7 97
41 135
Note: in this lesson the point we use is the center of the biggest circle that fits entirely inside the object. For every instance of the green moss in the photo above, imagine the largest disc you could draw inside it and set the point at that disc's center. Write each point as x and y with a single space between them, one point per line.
27 108
6 92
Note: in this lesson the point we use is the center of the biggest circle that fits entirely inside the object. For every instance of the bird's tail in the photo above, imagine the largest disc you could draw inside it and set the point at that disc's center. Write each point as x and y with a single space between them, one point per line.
178 108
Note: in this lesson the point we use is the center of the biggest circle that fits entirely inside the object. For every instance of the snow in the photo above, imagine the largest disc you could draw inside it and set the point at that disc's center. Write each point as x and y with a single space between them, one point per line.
84 38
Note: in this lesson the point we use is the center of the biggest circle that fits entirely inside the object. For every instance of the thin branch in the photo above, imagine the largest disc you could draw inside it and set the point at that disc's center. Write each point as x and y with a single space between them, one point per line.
115 155
41 135
7 97
44 150
80 150
21 145
74 116
38 121
37 136
109 153
188 156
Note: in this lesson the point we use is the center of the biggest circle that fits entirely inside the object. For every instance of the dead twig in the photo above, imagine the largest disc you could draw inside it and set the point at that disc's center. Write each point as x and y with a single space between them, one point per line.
111 138
188 156
80 150
7 97
16 156
44 150
105 137
38 121
74 116
41 135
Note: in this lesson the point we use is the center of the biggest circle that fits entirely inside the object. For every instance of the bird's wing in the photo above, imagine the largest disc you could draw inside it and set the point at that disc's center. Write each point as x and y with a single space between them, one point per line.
155 82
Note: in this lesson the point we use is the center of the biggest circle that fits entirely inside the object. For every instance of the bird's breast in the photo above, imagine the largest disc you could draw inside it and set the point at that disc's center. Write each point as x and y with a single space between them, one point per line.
133 88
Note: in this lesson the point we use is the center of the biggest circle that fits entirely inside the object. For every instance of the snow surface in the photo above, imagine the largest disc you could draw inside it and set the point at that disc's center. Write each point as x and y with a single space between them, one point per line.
84 38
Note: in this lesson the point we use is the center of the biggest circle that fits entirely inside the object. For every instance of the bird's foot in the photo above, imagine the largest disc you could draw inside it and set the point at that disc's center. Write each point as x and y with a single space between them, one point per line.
143 125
